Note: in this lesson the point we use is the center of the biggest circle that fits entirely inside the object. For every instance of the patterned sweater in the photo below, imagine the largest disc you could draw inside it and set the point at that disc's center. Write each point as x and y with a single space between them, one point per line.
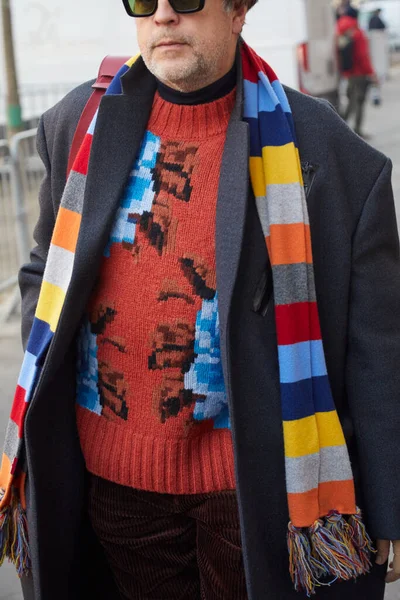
152 411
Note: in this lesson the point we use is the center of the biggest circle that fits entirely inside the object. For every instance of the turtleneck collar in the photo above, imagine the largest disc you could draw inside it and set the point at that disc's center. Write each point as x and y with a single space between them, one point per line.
191 122
210 93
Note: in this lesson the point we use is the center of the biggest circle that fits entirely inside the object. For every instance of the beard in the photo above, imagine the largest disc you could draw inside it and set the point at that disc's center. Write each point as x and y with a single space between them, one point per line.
188 72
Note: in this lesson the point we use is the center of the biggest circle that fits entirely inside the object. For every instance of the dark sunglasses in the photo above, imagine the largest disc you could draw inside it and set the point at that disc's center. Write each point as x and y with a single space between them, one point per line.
146 8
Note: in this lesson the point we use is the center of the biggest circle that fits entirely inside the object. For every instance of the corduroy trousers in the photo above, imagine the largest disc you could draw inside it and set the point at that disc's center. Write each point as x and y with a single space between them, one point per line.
169 547
188 547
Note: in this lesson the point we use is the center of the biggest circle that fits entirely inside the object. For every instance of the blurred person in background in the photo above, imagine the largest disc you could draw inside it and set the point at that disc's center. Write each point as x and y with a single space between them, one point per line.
355 66
379 48
344 5
188 422
375 21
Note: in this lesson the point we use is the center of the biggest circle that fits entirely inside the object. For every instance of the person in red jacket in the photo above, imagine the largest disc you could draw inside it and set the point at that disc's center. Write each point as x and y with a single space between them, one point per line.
355 65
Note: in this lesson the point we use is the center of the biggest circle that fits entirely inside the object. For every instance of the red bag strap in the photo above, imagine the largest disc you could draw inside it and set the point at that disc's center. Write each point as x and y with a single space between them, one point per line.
107 70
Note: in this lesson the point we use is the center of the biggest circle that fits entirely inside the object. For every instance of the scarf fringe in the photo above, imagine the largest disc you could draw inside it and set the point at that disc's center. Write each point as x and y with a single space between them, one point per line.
332 547
14 538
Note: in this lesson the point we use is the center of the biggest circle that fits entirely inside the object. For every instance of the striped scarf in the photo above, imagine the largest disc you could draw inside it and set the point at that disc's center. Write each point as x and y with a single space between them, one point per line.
326 538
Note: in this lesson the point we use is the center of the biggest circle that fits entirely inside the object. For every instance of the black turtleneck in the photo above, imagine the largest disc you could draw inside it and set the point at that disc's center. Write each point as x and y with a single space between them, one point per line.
210 93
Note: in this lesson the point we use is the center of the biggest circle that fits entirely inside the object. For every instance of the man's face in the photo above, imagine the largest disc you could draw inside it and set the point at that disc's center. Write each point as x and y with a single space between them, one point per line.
188 52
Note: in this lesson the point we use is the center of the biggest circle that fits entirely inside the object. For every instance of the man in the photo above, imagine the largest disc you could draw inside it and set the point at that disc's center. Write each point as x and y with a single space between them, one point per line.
188 349
343 6
375 21
355 66
378 40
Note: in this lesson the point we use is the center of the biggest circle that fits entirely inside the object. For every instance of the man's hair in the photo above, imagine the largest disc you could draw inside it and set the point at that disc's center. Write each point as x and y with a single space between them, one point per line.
230 4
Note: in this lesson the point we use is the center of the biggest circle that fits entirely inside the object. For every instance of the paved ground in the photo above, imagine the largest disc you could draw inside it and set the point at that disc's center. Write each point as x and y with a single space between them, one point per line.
384 126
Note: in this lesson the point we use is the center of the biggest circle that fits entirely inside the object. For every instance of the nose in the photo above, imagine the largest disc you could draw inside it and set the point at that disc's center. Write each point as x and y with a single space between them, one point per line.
165 14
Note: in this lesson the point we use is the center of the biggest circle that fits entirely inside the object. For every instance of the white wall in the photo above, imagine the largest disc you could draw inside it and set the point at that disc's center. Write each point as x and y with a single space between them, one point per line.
64 40
274 28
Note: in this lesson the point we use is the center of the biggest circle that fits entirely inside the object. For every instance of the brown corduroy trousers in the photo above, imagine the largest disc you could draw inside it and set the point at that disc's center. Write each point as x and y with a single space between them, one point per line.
169 547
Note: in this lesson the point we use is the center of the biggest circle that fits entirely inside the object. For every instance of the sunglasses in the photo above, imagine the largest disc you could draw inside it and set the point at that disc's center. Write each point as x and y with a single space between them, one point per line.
146 8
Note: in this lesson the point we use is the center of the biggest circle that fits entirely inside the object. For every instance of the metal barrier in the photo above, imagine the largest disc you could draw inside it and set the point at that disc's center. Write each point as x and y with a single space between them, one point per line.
21 172
27 174
35 100
9 260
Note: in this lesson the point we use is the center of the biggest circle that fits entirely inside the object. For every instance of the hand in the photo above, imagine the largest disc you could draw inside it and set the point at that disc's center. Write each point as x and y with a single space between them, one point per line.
383 547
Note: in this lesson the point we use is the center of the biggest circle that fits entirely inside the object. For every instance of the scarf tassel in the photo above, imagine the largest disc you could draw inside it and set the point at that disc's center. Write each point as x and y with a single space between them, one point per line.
332 547
14 537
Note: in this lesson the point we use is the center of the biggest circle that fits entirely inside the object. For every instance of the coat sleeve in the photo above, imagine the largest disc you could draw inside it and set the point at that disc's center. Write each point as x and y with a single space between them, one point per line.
54 137
373 362
31 274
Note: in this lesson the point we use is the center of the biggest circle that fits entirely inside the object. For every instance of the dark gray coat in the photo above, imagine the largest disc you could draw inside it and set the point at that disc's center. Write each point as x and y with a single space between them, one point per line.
357 270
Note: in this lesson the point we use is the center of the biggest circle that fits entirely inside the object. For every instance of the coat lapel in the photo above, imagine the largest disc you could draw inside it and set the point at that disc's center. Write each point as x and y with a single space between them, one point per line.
233 195
120 128
231 214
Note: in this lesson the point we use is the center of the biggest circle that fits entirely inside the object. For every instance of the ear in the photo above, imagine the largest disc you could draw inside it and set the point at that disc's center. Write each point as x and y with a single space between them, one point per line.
239 17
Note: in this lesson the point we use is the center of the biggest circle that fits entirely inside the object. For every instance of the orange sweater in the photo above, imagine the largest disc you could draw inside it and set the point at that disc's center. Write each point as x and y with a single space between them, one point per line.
151 404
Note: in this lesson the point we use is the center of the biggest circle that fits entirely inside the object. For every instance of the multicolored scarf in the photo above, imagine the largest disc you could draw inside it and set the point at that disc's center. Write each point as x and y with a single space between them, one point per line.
326 538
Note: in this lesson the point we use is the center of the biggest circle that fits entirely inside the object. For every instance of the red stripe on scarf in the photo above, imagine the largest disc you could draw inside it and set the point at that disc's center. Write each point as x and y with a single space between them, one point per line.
248 67
297 323
18 409
82 160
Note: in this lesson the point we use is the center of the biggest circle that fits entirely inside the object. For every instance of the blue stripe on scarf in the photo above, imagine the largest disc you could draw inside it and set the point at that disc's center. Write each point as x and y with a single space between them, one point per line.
270 136
306 397
27 375
39 339
115 86
301 361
